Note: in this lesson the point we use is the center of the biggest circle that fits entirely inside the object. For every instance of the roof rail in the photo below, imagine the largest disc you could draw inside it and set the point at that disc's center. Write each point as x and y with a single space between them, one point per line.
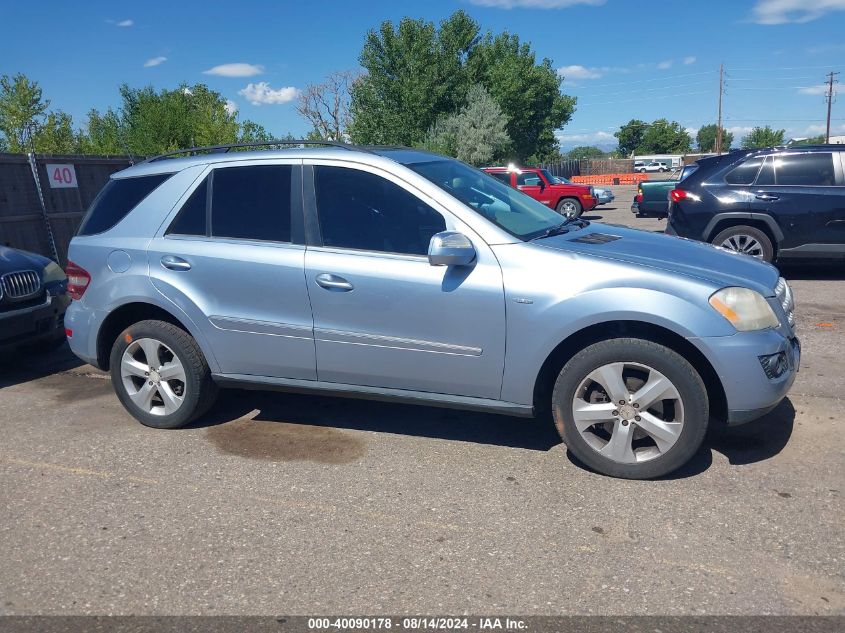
223 149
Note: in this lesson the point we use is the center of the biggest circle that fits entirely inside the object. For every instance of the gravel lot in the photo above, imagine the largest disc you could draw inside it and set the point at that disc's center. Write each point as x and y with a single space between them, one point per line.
291 504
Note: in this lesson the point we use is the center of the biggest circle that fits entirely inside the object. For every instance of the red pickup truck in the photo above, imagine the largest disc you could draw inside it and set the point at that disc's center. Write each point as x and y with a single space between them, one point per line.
566 198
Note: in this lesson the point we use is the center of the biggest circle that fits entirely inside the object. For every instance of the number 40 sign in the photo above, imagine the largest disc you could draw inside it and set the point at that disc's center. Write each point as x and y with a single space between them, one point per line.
61 176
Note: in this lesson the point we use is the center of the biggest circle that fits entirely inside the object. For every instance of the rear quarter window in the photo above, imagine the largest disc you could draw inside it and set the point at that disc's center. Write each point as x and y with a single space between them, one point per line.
745 172
116 200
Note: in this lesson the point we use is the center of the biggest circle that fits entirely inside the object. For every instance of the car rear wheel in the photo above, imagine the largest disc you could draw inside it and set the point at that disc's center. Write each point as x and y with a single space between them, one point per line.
569 208
160 375
630 408
747 240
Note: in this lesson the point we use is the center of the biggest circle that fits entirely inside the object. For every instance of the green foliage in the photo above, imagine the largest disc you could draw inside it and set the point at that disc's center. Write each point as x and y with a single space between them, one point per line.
813 140
476 134
665 137
417 73
630 136
22 111
659 137
252 132
706 138
763 137
56 135
585 151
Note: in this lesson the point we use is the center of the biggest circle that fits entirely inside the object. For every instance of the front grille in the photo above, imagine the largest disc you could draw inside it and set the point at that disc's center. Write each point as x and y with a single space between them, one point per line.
784 294
20 284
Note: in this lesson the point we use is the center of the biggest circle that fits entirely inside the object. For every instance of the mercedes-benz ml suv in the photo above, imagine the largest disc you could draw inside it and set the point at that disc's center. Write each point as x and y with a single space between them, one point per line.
403 275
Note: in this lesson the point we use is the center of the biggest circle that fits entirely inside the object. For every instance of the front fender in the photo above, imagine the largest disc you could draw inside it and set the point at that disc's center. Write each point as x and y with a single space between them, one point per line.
534 331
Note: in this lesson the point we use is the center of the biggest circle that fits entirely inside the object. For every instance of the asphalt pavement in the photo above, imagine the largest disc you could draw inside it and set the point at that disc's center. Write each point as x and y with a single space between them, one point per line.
288 504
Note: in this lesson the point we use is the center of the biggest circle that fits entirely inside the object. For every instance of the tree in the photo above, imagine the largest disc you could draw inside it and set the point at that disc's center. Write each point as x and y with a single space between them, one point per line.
326 105
22 110
527 91
102 134
55 135
252 132
630 136
664 137
706 138
476 134
417 73
585 151
763 137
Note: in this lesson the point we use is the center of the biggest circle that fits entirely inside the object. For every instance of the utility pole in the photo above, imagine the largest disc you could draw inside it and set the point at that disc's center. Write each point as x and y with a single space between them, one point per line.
719 123
829 98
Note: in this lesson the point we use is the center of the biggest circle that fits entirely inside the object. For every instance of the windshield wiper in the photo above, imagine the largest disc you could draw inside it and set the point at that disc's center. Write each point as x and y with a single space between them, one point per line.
563 227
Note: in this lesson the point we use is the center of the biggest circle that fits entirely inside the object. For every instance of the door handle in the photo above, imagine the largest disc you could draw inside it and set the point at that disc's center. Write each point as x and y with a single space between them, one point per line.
766 196
333 282
175 263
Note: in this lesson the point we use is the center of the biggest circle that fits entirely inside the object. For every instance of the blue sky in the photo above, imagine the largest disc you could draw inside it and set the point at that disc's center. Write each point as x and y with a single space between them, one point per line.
623 59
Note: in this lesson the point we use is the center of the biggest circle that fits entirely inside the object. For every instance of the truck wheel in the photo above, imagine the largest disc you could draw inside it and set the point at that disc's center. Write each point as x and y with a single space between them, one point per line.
747 240
630 408
570 208
160 375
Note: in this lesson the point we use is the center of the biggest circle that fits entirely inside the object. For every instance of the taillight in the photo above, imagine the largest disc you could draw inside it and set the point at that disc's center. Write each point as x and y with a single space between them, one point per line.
77 280
676 195
638 197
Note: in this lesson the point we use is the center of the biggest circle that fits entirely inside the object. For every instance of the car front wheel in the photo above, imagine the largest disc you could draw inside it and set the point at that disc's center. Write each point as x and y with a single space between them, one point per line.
569 208
160 375
630 408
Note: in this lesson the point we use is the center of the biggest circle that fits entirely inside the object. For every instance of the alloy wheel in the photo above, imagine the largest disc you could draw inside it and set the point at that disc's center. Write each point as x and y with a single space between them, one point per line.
745 244
568 209
628 412
153 376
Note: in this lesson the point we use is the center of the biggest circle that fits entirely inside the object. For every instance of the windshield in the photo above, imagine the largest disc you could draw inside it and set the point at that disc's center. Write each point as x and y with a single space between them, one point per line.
555 180
513 211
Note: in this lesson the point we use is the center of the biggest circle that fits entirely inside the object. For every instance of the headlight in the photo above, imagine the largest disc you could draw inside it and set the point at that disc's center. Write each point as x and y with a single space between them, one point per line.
53 273
745 309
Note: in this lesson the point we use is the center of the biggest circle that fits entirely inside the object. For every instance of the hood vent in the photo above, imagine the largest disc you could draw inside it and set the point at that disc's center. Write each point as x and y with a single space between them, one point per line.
597 238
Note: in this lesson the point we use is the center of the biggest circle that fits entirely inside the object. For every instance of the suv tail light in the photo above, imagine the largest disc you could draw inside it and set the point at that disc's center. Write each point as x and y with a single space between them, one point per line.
676 195
639 197
77 280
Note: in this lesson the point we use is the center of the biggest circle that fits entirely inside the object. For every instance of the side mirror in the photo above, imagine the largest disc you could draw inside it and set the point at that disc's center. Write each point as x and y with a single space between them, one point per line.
450 248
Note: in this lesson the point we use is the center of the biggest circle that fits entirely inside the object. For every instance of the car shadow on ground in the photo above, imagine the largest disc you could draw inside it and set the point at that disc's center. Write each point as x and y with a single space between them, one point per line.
25 364
316 417
813 270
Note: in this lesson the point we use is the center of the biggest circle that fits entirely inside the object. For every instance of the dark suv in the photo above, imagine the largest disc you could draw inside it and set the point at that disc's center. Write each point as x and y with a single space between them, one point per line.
774 203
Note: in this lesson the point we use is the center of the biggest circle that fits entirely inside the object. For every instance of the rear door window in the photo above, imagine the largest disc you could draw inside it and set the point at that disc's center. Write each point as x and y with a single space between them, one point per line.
252 202
805 170
504 176
116 200
529 179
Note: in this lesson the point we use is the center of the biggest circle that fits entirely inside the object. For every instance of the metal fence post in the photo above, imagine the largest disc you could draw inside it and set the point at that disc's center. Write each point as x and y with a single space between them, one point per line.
34 166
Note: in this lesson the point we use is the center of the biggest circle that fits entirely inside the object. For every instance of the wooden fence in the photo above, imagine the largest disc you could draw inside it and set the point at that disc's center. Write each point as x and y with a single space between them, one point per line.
590 167
46 229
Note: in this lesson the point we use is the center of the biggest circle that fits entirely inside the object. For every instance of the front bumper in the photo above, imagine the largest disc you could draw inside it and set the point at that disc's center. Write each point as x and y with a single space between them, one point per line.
749 392
33 324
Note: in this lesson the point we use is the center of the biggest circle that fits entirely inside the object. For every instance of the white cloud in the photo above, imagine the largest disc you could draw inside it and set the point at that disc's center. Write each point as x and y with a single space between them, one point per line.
587 138
187 91
235 70
689 60
534 4
821 89
799 11
231 106
579 72
155 61
126 23
261 93
665 65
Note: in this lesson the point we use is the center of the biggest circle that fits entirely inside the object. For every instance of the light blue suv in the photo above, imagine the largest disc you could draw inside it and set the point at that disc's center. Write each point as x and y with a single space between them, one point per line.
395 274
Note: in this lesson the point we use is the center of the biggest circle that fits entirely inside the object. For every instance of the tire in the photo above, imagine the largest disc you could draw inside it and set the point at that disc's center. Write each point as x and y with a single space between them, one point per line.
747 240
171 402
569 208
666 445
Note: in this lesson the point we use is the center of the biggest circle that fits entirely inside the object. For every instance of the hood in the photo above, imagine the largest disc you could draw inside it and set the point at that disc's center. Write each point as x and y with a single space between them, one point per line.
669 253
13 259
